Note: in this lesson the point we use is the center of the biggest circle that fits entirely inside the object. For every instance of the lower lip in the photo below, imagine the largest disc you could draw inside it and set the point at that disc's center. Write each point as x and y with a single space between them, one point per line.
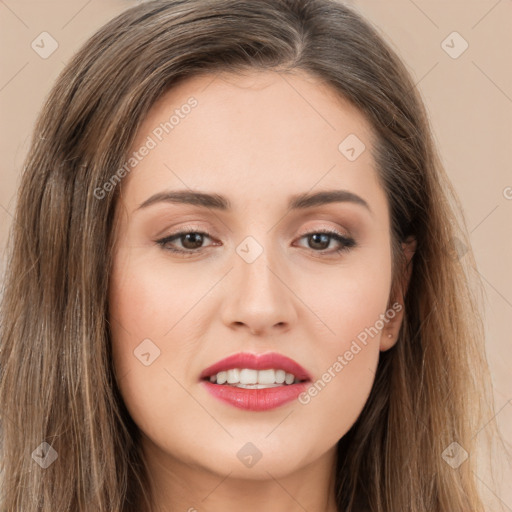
256 399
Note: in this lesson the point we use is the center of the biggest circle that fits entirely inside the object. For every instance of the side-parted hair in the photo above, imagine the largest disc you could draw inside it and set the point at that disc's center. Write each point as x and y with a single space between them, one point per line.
57 382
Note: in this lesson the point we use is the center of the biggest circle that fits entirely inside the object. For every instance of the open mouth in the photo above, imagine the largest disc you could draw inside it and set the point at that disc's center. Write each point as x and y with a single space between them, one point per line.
255 382
248 378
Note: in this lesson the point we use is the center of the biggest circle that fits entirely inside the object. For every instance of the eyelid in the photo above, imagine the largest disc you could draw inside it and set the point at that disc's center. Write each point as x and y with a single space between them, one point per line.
325 227
174 229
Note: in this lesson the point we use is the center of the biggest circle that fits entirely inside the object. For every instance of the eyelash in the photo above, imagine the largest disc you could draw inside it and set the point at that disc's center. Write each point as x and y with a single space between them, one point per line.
347 243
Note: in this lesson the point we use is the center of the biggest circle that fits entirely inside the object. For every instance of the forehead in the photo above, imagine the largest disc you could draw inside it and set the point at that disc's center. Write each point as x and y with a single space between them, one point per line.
253 132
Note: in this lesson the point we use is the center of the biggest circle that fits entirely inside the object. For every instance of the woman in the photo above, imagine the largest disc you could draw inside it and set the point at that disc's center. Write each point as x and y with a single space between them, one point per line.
234 280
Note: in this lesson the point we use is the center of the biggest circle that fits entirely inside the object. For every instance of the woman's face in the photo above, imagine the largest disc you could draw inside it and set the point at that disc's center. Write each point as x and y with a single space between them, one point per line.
255 275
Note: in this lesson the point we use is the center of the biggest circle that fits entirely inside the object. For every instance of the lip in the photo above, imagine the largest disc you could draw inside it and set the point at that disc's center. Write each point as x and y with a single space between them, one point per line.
257 362
256 399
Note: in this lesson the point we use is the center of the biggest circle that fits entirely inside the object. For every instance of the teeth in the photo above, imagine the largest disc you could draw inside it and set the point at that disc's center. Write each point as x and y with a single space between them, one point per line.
280 376
248 376
253 379
289 378
233 376
267 377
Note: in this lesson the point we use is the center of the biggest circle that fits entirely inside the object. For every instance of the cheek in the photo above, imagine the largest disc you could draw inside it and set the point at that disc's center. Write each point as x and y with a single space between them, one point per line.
352 306
145 302
350 297
140 313
335 400
150 341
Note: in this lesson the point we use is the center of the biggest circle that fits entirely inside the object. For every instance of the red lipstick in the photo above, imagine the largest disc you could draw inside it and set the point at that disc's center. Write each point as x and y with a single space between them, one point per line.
256 399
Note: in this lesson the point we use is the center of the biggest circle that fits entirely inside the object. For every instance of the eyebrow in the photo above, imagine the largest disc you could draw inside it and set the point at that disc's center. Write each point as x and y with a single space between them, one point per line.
218 202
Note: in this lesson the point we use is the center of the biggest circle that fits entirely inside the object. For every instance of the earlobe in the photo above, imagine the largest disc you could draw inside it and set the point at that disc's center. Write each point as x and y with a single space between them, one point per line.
390 332
396 304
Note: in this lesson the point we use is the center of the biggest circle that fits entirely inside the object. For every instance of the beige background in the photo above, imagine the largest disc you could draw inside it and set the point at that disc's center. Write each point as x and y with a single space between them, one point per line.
469 99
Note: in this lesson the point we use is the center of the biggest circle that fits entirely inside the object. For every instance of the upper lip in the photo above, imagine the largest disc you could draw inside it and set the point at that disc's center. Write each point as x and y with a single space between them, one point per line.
257 362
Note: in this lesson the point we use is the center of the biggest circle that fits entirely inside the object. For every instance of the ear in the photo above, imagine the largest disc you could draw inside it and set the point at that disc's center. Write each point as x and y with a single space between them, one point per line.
391 329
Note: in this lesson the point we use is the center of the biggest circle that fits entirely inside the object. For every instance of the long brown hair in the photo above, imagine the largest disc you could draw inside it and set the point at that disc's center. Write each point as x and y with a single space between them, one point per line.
57 381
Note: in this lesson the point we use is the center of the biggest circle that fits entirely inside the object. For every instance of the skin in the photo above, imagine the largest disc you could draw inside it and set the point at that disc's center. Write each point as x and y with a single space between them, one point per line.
257 139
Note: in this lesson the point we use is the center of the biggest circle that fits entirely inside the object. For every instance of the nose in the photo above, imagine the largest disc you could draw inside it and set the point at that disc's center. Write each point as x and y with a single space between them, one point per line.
259 297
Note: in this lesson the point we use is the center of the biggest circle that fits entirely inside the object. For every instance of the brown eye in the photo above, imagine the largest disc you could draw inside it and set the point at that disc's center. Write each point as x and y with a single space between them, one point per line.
191 241
320 241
